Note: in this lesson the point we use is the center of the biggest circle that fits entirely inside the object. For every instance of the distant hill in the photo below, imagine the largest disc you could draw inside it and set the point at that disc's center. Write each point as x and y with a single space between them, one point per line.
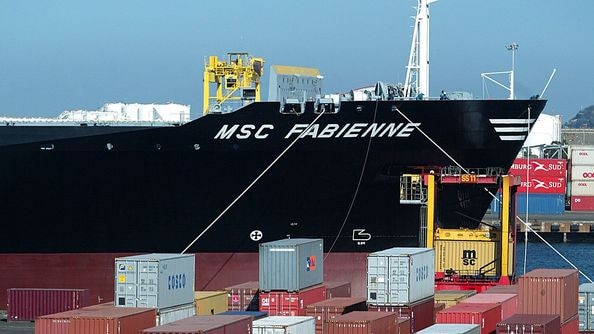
583 119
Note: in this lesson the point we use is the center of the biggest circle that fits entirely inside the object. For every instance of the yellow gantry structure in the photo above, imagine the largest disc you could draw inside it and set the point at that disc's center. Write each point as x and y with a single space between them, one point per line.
236 79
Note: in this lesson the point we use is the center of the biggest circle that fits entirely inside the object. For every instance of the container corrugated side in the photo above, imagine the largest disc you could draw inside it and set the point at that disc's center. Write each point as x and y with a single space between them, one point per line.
452 297
549 204
485 315
582 172
508 302
549 291
512 289
586 306
543 185
330 308
243 297
539 167
154 280
400 275
451 329
467 257
337 289
29 303
530 324
210 324
290 303
284 325
363 323
582 203
421 313
291 264
116 320
171 314
581 155
210 302
582 188
570 326
59 323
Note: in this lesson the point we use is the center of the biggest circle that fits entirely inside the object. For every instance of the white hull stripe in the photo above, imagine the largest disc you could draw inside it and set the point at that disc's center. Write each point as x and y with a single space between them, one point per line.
499 130
509 138
511 121
506 126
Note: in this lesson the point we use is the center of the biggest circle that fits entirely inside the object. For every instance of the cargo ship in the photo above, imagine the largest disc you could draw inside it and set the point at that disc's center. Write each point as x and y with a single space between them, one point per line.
76 196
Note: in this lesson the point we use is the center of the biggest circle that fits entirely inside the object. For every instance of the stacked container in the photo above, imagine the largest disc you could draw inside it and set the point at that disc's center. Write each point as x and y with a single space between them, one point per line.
243 297
337 289
508 302
586 307
216 324
530 324
485 315
284 325
551 291
291 273
402 279
28 304
582 178
451 329
210 302
333 307
367 323
452 297
162 281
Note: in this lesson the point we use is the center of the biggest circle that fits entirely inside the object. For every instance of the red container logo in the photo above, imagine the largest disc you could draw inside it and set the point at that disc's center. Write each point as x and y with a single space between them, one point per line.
311 263
543 185
539 167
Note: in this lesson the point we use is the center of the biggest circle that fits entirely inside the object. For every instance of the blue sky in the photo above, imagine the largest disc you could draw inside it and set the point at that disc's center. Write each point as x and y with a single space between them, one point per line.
59 55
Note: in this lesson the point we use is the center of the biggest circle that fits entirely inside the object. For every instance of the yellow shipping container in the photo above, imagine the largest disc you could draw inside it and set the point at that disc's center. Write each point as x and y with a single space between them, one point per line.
469 258
210 302
466 234
452 297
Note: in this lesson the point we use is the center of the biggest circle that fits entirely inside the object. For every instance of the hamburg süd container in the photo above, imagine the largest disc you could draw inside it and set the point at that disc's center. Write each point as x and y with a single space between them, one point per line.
363 323
333 307
113 320
586 306
421 312
451 329
400 275
291 264
284 325
243 297
485 315
539 167
174 313
549 291
28 303
290 303
210 302
210 324
154 280
543 185
508 302
530 324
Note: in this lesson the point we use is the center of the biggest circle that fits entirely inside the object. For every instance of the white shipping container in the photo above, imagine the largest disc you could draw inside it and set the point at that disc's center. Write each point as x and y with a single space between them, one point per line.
175 313
582 172
582 188
581 155
451 329
154 280
285 325
400 276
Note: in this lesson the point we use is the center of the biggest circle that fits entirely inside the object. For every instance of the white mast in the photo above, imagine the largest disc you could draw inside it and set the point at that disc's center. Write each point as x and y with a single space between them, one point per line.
417 71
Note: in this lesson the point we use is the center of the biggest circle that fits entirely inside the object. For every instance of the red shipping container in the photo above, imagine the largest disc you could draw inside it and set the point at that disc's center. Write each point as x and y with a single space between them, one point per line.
513 289
206 324
530 324
571 326
28 304
420 313
404 326
508 302
485 315
113 320
582 203
333 307
549 291
291 303
363 323
543 185
59 323
337 289
436 308
243 297
539 167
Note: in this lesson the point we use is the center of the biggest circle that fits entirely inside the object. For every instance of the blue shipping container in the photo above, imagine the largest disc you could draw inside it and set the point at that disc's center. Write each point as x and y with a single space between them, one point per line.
538 204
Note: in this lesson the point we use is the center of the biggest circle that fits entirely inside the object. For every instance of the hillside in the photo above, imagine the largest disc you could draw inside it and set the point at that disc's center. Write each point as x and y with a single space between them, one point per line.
583 119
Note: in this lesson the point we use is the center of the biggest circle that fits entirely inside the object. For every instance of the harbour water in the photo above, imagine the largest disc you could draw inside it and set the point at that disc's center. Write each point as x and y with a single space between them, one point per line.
541 255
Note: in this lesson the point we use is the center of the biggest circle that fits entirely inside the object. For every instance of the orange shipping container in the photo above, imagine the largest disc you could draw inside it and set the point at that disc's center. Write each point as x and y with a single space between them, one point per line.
331 308
549 291
113 320
508 302
363 323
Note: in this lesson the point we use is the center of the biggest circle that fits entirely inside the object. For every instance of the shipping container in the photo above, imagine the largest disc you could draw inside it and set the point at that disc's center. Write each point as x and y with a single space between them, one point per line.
468 258
290 303
211 324
543 185
513 289
421 313
539 167
452 297
330 308
581 155
549 291
541 204
154 280
291 264
451 329
436 308
400 275
171 314
570 326
508 302
28 303
337 289
243 297
465 234
254 314
582 172
284 325
210 302
530 324
59 323
582 203
113 320
363 323
582 188
586 306
485 315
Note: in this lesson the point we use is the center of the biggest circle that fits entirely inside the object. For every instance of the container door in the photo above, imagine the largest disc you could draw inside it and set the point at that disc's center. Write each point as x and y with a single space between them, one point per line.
399 280
377 280
148 283
126 282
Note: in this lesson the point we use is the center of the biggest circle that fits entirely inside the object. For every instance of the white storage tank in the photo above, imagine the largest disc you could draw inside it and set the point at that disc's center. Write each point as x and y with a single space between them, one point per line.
154 280
291 264
400 276
285 325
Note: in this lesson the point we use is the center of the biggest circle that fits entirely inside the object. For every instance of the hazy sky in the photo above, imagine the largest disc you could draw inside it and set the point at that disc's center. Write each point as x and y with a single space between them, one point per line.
78 54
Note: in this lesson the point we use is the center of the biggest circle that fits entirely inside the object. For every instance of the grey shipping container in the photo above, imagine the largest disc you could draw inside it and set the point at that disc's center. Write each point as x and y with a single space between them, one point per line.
154 280
175 313
291 264
400 275
451 329
284 325
586 306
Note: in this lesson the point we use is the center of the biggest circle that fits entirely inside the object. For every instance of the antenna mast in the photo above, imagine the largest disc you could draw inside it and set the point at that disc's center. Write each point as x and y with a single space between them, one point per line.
417 71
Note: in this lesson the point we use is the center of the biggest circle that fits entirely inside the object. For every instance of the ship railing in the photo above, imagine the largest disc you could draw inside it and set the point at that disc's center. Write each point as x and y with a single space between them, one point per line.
486 171
412 190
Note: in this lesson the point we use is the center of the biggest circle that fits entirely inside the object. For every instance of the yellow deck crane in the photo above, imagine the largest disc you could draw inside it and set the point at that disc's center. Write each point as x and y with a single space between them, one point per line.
237 80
